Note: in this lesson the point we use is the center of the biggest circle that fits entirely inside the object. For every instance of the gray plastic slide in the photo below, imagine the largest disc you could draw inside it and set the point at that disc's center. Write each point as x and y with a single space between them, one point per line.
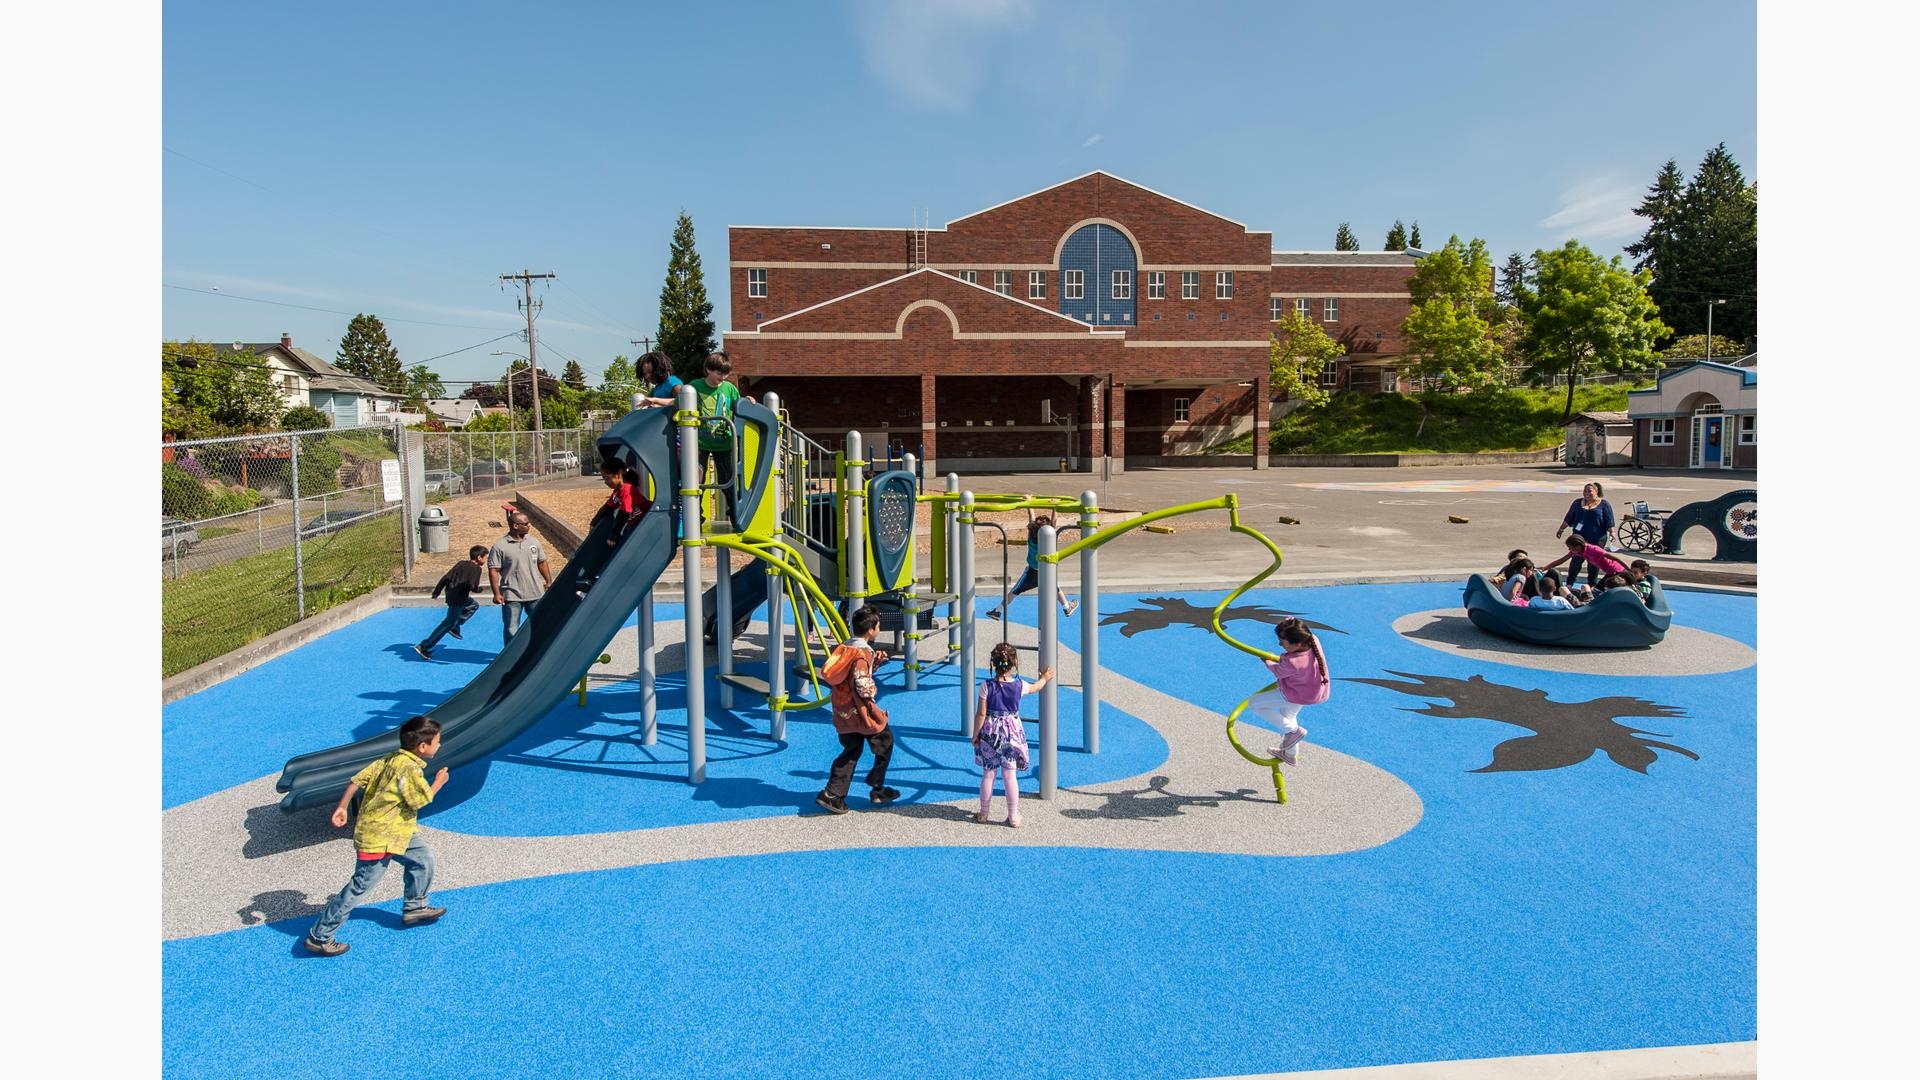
555 646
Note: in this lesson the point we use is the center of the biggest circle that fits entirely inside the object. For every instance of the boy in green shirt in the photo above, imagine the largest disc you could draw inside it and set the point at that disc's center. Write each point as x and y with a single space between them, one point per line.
396 788
717 397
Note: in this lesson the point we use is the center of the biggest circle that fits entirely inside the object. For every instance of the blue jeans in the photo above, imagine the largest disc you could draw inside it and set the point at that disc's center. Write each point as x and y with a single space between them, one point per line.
417 861
510 612
455 617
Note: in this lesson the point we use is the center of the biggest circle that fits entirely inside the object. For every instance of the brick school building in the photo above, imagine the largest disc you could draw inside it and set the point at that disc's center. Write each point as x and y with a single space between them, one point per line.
1096 319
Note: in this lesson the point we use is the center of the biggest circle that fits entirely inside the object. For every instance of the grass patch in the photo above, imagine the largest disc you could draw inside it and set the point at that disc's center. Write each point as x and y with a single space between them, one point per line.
1522 419
211 612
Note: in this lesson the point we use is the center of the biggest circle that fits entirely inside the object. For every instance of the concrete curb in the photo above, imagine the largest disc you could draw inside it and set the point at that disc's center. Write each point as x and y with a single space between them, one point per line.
562 535
1709 1061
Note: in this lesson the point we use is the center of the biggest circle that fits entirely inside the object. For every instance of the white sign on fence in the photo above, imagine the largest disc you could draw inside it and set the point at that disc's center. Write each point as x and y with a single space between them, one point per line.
390 480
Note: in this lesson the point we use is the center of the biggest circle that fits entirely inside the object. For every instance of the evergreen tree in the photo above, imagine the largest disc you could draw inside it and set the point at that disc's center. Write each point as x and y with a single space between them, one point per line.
365 351
1344 240
686 316
574 375
1660 207
1513 278
1397 237
1413 238
1701 245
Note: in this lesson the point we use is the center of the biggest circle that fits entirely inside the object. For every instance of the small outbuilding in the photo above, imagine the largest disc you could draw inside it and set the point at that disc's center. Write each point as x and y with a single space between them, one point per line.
1599 438
1702 416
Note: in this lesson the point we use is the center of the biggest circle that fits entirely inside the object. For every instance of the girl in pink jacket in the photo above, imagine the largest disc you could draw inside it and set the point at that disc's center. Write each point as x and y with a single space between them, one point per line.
1301 675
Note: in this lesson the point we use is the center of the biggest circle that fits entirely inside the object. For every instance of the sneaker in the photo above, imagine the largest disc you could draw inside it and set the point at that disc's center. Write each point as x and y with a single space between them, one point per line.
994 615
830 804
455 632
1072 606
884 795
424 654
326 948
421 916
1290 746
1013 823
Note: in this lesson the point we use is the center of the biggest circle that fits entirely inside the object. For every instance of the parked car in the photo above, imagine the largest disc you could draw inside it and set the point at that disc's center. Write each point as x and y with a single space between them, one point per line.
486 475
445 482
563 461
177 535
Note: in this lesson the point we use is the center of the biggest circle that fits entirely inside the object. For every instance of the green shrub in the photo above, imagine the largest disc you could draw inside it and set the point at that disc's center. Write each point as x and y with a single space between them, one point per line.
304 418
234 500
182 495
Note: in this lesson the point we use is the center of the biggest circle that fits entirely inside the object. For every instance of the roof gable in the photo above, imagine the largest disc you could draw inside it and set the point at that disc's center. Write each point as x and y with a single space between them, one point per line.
1095 179
882 310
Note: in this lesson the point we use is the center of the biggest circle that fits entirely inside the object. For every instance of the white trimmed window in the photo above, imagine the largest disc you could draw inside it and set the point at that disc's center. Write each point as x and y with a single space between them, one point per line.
1330 374
1123 284
1330 311
1189 284
1003 282
1276 307
1660 433
1303 307
971 277
1182 410
1036 284
1223 285
1156 284
1076 284
756 283
1747 430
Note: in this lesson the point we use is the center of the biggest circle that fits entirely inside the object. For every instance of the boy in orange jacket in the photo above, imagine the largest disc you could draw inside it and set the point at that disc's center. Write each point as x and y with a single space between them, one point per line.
857 715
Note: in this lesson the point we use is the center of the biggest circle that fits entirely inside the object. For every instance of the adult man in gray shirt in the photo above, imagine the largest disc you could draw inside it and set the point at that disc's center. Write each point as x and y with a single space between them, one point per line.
511 567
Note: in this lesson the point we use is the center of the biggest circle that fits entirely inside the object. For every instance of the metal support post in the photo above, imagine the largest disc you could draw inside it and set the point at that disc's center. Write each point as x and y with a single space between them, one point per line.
1049 650
299 568
856 493
964 586
954 534
776 599
649 722
684 401
1089 626
723 623
910 613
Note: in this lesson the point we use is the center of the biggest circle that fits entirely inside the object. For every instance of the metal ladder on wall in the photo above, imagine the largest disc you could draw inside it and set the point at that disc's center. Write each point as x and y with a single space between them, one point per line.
917 240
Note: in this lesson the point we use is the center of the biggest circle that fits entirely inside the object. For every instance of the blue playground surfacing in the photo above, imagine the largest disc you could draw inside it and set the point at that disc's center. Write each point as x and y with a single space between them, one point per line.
1579 907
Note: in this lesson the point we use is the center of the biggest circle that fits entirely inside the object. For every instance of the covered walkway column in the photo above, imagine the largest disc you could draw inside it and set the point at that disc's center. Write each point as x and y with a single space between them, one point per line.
1117 423
1262 415
929 428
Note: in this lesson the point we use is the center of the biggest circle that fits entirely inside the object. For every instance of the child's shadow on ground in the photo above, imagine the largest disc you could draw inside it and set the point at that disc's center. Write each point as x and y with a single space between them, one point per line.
273 831
289 912
1154 801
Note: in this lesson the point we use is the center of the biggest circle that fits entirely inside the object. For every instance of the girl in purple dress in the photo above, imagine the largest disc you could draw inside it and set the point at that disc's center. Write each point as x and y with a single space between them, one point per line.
1000 739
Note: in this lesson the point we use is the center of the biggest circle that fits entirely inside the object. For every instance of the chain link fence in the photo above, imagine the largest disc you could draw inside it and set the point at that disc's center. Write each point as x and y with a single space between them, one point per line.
460 462
260 531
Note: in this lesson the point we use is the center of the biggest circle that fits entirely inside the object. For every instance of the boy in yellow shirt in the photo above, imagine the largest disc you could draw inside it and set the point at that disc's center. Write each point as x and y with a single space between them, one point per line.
396 788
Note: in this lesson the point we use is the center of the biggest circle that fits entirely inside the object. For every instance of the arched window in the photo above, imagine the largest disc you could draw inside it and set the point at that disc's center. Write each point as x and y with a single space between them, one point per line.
1101 262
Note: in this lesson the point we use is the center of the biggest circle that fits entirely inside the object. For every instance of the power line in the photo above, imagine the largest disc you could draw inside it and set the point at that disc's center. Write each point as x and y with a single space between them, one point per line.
329 311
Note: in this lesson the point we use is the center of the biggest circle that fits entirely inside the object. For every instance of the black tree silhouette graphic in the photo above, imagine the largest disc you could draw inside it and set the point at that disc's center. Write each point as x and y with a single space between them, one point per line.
1165 611
1565 733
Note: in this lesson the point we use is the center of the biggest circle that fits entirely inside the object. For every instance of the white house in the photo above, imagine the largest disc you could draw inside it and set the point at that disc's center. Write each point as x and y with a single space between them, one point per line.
305 379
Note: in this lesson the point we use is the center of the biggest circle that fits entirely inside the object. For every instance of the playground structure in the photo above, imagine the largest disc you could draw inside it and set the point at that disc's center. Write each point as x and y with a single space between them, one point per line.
822 537
1616 619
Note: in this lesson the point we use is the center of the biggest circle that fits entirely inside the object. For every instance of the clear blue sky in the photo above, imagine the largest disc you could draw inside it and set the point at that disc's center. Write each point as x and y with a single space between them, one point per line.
397 158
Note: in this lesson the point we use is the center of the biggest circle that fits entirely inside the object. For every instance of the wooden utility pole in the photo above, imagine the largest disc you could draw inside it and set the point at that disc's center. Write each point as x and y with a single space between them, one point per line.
530 306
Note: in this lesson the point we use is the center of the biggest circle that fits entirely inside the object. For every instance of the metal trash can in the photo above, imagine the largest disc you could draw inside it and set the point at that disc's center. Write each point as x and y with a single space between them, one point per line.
434 528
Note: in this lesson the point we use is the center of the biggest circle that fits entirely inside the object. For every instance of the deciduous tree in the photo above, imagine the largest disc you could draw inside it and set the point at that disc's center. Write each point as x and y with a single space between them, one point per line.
1450 329
1297 352
1585 315
204 393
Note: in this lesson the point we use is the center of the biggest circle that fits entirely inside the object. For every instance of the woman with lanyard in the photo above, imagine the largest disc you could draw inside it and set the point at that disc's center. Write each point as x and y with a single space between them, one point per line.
657 380
1591 518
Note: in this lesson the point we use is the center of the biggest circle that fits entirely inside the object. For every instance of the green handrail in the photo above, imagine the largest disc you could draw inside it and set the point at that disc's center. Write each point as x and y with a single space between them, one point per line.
1112 532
